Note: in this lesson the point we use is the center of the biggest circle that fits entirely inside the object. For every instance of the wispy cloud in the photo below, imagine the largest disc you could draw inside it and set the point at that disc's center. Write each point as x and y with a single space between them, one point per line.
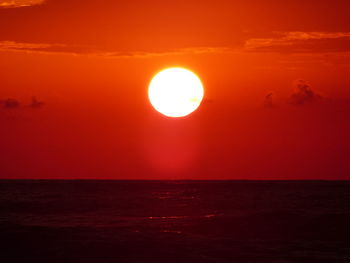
94 51
11 45
42 48
301 42
19 3
288 42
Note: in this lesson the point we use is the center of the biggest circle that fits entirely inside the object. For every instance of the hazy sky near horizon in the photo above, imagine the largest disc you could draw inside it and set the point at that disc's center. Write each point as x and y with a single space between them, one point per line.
276 77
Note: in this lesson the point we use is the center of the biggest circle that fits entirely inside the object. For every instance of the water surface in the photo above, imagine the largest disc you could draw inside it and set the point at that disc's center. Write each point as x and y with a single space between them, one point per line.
175 221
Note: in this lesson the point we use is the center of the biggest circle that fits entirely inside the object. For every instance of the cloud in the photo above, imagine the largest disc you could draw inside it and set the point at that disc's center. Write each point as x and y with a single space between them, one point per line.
268 100
10 103
19 3
36 104
303 94
281 42
300 42
39 47
287 42
45 48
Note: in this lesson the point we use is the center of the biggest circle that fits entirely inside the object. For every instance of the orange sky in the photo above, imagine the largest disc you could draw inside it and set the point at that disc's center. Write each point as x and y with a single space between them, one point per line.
90 62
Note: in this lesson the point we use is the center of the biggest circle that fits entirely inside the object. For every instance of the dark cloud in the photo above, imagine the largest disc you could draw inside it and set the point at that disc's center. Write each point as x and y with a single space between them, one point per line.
10 103
303 94
268 101
207 101
35 104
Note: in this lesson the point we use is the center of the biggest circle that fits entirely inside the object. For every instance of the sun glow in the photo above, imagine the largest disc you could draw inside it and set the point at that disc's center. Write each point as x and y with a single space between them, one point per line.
175 92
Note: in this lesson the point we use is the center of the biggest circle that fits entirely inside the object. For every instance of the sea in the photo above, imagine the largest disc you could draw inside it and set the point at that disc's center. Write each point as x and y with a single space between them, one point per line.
174 221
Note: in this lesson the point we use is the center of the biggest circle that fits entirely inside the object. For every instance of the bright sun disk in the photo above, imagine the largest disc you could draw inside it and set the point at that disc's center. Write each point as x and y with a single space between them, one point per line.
175 92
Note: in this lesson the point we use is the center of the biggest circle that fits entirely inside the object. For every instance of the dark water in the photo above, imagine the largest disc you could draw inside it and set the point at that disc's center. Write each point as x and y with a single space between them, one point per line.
174 221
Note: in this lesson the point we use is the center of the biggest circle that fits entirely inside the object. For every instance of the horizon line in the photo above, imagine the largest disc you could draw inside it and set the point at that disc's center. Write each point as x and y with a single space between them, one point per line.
167 180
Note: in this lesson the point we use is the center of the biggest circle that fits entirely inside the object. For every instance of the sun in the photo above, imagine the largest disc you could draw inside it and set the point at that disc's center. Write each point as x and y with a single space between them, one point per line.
175 92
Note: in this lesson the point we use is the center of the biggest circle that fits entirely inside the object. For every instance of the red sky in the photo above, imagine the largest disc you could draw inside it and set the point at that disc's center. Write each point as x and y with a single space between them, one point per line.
91 61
